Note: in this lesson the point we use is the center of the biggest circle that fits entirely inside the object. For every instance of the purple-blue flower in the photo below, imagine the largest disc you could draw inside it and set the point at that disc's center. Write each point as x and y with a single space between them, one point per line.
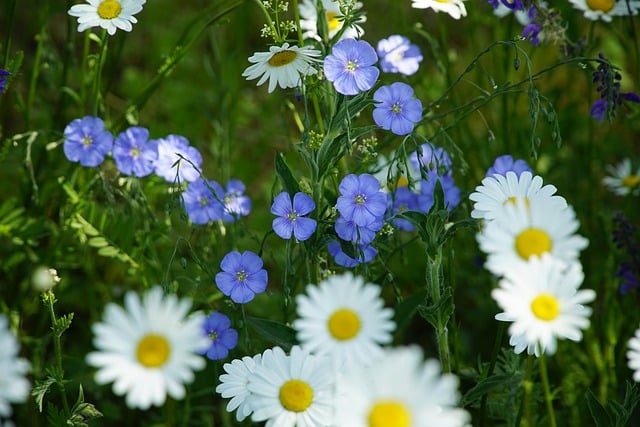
361 200
513 4
532 32
431 158
397 109
3 79
427 188
242 276
217 327
598 109
350 66
401 200
87 141
201 201
507 163
177 160
363 235
133 153
236 204
291 218
364 253
398 55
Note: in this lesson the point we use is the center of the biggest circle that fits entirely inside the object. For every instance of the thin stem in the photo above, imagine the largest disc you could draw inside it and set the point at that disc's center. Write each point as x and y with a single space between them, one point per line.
36 71
547 390
11 6
434 282
296 17
97 81
527 385
50 299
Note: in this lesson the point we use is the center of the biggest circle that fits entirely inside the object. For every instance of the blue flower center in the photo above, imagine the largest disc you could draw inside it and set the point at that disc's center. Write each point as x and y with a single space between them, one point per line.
360 199
352 65
135 152
396 108
213 335
87 141
241 275
204 201
291 216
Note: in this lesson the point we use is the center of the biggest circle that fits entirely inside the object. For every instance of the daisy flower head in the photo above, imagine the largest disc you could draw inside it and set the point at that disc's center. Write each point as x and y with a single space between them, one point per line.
177 160
351 66
291 390
242 276
505 163
543 301
361 200
521 231
282 66
622 180
222 337
633 355
605 9
455 8
309 14
133 153
397 109
364 254
398 55
234 384
202 201
149 348
345 319
87 141
401 389
14 386
291 216
497 190
107 14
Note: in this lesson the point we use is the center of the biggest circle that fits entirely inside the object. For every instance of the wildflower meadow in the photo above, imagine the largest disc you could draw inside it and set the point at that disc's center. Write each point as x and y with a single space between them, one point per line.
320 213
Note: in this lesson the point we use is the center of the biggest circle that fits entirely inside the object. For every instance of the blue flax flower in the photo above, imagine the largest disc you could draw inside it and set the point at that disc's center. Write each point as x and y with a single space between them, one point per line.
87 141
397 109
350 66
236 204
427 188
177 159
506 163
361 200
217 327
133 153
398 55
202 201
291 218
401 200
363 235
3 79
364 254
431 158
242 276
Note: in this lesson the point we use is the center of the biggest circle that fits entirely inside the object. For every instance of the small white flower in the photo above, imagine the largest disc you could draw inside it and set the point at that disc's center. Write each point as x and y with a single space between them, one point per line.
455 8
107 14
605 9
401 389
235 384
331 9
622 180
496 190
344 318
282 66
634 355
149 349
543 300
14 386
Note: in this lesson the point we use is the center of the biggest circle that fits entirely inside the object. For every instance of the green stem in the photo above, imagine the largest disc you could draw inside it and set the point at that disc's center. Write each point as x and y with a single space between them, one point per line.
547 390
527 385
296 17
34 77
11 7
97 80
57 349
270 23
434 282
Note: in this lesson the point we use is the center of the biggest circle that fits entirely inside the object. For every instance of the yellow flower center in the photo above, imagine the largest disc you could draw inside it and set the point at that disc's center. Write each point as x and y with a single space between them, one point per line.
631 181
352 65
332 21
443 1
396 108
109 9
532 241
545 307
402 181
153 350
344 324
135 152
87 141
601 5
282 58
296 395
389 413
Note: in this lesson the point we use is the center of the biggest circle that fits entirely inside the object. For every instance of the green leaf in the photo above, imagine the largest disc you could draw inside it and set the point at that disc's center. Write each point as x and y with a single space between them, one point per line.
62 324
98 242
40 388
284 173
273 332
598 412
485 386
407 309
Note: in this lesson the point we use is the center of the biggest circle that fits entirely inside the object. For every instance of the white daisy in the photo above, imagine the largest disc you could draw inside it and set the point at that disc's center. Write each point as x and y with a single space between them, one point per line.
634 355
520 231
293 390
605 9
282 65
622 180
235 384
331 9
455 8
401 389
345 319
149 349
107 14
543 300
14 386
497 190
